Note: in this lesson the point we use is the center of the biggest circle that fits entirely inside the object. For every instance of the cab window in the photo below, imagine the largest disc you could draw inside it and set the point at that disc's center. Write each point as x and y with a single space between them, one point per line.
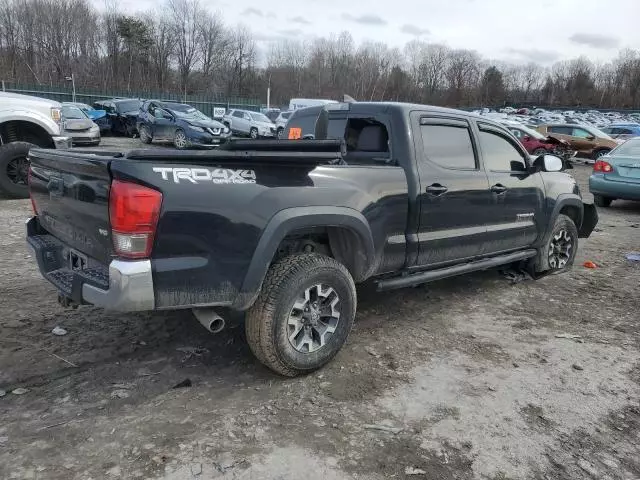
499 153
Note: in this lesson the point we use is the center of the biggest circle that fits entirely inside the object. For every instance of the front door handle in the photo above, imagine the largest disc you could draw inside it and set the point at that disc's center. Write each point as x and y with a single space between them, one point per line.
436 189
498 188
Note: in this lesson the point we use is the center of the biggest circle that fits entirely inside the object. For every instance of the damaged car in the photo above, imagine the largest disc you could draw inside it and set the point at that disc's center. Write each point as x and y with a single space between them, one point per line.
537 144
122 113
181 124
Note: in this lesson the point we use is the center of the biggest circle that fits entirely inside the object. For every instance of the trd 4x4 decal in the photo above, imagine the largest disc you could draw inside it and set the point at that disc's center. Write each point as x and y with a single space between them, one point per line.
199 175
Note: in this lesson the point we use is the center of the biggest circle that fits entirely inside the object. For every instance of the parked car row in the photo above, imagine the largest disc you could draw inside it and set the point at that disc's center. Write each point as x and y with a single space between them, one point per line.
577 131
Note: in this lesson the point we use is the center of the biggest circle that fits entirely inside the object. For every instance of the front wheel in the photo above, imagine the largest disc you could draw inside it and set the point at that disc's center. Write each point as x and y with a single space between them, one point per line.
145 135
559 250
539 151
280 133
602 201
253 133
303 315
180 139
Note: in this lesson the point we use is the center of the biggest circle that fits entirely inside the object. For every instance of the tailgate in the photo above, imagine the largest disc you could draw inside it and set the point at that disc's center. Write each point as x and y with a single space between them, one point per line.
70 191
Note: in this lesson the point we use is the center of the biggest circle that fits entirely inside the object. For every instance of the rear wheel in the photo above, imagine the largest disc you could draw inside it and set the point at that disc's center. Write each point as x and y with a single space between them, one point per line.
145 134
180 139
539 151
280 133
602 201
303 315
253 133
599 153
14 169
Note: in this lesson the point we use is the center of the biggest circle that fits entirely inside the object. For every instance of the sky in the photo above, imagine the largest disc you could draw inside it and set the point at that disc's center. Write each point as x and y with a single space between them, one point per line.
543 31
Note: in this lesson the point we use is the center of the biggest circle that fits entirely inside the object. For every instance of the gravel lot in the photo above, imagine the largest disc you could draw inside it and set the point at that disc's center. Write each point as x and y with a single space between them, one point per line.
469 378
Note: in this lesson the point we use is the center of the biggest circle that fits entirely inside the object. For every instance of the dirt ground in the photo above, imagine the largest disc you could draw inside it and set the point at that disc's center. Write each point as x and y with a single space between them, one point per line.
468 378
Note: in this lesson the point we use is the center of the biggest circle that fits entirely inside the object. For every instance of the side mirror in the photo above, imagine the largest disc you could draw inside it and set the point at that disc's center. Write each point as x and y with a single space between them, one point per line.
548 163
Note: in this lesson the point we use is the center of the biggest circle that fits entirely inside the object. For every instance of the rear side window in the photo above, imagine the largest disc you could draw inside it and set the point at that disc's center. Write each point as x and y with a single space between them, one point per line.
516 133
561 130
238 114
448 146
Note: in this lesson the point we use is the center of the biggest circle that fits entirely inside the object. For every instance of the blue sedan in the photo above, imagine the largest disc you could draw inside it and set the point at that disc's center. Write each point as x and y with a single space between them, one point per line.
617 175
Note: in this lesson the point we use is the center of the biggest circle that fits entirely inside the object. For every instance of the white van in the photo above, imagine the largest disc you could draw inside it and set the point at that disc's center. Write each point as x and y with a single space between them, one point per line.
296 103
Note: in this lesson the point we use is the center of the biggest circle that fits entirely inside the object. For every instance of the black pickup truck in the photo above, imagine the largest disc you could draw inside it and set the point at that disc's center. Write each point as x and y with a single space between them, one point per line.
395 194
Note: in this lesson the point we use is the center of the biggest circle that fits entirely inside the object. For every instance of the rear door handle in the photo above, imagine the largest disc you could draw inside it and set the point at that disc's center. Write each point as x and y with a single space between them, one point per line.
498 188
436 189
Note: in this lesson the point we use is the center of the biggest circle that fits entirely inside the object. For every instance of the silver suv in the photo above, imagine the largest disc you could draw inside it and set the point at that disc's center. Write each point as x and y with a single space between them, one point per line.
252 124
281 123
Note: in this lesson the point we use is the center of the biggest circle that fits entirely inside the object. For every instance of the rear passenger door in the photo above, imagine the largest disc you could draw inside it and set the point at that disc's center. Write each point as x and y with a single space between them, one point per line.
517 195
454 199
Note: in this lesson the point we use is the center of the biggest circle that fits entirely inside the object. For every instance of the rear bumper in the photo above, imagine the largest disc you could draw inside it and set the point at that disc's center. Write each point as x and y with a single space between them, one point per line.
122 285
599 185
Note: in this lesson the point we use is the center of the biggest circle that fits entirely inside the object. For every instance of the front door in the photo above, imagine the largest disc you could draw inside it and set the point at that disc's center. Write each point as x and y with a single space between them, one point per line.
454 197
163 125
517 194
238 122
584 140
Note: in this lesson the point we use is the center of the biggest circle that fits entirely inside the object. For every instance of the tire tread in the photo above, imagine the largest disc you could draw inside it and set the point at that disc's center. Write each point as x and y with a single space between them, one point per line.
260 318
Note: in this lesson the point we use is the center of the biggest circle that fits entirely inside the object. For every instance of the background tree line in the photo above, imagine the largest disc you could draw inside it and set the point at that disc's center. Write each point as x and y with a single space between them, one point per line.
182 47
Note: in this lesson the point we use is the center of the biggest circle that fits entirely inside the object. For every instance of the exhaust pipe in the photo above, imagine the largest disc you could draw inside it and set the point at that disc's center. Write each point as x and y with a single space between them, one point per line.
209 319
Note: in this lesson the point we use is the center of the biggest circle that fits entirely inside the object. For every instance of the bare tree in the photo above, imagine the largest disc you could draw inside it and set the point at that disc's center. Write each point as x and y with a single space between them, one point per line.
162 47
186 16
213 42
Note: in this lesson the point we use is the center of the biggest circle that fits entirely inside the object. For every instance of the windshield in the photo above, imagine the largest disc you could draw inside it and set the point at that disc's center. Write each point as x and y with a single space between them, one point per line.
186 111
597 132
630 148
259 117
128 106
73 113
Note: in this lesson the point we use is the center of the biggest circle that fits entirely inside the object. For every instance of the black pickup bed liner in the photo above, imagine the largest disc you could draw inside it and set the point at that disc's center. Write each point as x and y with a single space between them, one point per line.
299 152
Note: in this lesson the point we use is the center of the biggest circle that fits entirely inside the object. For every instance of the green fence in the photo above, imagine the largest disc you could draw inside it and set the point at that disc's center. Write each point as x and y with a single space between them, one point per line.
64 93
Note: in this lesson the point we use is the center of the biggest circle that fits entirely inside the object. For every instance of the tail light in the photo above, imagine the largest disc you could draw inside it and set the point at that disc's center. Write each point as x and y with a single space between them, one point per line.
33 202
602 166
133 212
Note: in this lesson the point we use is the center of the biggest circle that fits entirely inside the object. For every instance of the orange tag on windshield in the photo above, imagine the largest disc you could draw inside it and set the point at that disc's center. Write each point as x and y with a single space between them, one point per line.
295 133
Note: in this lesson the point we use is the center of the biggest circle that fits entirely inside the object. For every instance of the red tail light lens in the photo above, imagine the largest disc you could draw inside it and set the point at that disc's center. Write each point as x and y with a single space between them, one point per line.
133 212
602 166
33 202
